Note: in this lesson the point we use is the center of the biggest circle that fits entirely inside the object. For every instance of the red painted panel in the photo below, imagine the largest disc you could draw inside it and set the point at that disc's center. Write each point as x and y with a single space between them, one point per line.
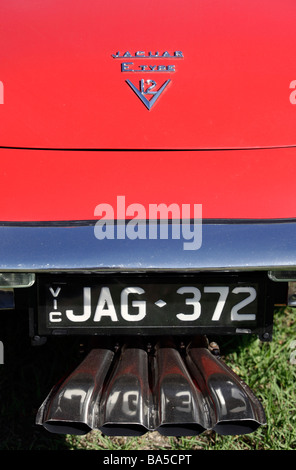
68 185
63 88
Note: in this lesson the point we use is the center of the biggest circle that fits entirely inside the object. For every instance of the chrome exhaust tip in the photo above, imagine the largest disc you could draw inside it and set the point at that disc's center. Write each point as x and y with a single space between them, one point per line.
126 402
70 407
237 410
180 405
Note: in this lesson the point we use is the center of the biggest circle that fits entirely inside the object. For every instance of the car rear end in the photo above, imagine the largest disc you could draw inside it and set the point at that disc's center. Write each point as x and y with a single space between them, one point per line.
146 203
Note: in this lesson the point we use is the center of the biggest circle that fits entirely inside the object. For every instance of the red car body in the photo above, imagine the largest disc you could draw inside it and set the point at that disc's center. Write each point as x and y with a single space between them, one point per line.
78 129
227 109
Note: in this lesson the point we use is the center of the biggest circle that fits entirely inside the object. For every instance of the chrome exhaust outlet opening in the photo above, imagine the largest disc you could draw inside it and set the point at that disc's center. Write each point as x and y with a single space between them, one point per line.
237 428
238 411
71 406
126 402
66 427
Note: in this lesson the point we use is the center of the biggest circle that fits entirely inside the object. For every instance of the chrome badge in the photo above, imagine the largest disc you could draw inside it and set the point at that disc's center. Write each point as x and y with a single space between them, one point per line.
148 89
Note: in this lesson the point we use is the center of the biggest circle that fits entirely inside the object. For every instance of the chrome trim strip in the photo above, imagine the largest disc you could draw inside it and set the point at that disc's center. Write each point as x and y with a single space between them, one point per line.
262 246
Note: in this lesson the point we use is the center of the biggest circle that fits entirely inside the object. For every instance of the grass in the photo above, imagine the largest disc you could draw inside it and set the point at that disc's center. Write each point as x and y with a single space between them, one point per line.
29 372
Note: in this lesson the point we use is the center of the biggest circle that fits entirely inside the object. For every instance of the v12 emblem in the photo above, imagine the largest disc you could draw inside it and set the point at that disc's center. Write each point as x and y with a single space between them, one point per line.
147 90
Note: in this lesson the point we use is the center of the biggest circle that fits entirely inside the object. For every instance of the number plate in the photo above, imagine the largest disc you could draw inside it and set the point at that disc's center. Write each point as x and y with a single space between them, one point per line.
94 304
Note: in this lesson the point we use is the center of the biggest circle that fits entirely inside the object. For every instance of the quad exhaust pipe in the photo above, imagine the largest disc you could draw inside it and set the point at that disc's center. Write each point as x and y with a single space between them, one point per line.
133 390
